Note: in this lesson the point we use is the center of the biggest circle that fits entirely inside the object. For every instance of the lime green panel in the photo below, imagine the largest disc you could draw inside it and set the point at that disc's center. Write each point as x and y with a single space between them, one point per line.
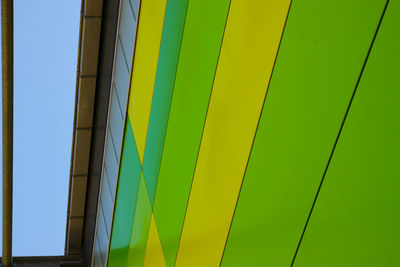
357 215
125 202
167 64
202 37
141 225
321 55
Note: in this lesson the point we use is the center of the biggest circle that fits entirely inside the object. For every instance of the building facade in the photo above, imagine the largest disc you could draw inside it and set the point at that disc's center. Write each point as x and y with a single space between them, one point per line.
242 133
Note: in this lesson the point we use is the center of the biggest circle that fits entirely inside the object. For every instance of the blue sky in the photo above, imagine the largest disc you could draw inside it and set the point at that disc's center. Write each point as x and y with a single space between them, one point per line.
46 36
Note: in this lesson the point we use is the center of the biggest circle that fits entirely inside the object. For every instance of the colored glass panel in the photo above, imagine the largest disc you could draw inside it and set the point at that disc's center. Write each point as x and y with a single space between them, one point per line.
111 162
320 58
107 201
97 260
144 68
116 124
125 202
175 14
154 255
252 37
141 225
127 31
356 218
101 234
201 42
121 77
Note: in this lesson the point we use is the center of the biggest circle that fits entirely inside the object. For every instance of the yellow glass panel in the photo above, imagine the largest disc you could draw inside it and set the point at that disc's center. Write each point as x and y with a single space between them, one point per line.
249 48
144 68
154 256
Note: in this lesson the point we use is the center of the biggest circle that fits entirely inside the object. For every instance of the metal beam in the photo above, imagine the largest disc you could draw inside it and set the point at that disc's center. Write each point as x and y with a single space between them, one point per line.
7 52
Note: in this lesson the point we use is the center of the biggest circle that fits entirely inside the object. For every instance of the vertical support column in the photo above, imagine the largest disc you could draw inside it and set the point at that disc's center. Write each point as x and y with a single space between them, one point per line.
7 53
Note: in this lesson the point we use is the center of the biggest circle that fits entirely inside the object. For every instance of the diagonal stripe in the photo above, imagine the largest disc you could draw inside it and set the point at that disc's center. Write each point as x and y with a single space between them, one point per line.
128 184
202 36
141 225
258 123
154 256
251 39
301 117
144 68
175 14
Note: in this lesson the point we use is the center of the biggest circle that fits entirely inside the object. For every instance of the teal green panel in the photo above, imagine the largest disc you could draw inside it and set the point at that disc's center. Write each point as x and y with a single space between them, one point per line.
357 215
141 226
125 202
322 52
174 20
201 42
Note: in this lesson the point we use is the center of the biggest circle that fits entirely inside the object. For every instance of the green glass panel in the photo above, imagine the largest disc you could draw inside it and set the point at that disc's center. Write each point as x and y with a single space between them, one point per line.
201 42
126 199
174 20
357 215
141 226
321 56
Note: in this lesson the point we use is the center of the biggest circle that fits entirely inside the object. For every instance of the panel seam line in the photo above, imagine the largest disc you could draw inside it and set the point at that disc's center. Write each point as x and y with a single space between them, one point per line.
340 131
